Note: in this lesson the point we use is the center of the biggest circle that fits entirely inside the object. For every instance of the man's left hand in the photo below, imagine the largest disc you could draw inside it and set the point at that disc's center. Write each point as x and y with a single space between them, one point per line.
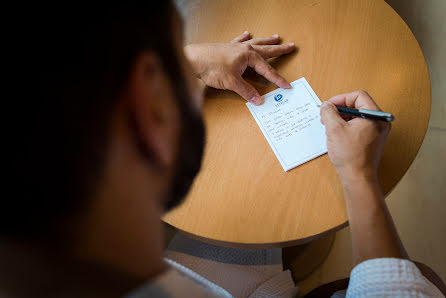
221 65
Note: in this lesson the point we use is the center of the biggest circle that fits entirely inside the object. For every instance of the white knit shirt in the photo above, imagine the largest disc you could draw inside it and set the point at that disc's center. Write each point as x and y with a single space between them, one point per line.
389 277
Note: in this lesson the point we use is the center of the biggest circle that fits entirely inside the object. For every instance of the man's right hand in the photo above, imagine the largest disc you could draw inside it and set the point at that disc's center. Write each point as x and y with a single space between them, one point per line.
355 149
354 146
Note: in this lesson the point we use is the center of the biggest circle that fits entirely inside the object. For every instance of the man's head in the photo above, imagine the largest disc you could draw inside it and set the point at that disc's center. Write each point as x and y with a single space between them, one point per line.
104 120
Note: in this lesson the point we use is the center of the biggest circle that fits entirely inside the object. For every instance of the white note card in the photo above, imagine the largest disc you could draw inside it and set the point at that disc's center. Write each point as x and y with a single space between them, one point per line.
290 122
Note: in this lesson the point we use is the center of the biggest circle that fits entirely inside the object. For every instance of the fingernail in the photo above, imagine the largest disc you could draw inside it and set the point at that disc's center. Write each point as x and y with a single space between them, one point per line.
257 100
246 32
275 35
287 85
324 103
291 44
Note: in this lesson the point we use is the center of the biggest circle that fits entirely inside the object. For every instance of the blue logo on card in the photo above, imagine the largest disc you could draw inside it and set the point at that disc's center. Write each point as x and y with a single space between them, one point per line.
278 97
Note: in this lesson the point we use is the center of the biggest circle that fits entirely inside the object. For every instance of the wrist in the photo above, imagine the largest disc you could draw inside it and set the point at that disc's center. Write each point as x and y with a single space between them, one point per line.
352 175
361 187
193 53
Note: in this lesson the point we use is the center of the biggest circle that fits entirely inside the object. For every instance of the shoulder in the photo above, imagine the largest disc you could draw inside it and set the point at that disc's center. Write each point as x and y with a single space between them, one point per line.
389 277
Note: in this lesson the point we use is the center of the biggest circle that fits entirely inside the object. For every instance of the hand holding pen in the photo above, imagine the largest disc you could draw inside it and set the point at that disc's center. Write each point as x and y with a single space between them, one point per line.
354 146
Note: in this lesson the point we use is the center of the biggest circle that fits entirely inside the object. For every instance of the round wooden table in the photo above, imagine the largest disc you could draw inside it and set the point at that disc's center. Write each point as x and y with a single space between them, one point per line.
242 196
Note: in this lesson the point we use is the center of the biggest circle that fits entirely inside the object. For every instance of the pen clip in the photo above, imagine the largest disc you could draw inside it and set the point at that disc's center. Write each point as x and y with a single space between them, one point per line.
389 117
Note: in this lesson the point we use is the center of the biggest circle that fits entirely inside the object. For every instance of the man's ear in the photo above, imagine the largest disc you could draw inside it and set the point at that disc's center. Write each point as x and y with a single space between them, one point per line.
152 106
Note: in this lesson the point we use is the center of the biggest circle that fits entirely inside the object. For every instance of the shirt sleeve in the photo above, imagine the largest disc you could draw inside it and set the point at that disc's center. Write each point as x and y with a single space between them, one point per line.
389 277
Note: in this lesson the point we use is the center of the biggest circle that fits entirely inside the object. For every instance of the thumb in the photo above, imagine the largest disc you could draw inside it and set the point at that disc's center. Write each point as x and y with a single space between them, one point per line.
245 90
330 116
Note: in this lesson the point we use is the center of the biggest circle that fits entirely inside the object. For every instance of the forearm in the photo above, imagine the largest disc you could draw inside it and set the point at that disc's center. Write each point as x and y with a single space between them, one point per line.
373 231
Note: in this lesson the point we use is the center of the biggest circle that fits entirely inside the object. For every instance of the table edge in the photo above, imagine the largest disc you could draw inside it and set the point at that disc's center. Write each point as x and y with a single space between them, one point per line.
253 245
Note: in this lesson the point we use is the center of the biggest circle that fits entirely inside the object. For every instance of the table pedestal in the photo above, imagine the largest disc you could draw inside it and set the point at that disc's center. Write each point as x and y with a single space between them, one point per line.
303 259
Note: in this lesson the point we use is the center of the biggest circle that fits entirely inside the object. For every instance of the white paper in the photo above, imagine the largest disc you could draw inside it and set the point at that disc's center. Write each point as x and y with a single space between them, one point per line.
290 121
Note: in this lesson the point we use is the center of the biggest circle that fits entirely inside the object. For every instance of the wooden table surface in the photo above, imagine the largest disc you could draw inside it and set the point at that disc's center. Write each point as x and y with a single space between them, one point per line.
242 196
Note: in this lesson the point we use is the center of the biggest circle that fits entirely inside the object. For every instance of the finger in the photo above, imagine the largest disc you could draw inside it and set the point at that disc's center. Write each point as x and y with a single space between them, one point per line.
242 37
274 51
263 68
245 90
357 99
330 116
274 39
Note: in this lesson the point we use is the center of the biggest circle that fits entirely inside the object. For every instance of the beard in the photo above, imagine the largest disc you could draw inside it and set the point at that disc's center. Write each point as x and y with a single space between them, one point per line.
192 139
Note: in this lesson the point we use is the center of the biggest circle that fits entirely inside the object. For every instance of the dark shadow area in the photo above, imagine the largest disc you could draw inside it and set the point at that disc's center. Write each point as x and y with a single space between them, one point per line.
211 93
329 289
282 60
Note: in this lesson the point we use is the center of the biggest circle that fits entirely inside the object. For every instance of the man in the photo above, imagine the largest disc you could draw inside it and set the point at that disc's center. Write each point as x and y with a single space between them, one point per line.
105 135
